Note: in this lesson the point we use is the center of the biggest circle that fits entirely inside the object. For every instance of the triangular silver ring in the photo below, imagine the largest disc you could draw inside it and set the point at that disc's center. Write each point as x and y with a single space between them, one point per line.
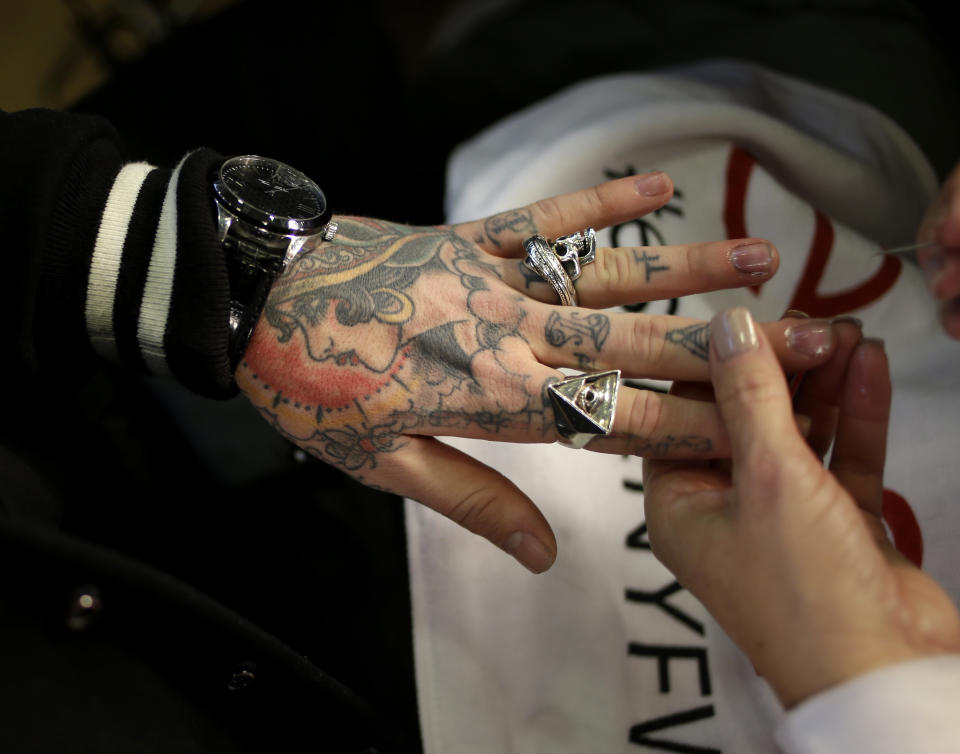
584 406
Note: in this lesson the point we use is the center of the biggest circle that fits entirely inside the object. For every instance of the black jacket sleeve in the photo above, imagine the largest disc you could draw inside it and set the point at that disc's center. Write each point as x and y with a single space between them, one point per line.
109 259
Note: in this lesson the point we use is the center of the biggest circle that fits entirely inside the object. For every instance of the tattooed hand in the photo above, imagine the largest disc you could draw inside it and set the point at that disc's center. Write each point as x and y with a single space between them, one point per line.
373 344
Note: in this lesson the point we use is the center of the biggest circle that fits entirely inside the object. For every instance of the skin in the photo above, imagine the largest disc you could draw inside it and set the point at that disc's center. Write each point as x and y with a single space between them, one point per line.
792 558
374 344
941 262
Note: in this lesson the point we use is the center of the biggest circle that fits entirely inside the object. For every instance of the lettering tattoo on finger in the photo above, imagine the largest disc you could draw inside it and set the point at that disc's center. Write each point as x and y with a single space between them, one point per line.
647 260
575 329
517 222
659 447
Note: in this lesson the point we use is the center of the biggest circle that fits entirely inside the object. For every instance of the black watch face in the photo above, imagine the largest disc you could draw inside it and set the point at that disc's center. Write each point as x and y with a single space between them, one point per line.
272 194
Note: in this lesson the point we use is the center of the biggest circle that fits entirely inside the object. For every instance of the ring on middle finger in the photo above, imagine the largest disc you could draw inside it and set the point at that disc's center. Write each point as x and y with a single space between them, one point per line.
543 260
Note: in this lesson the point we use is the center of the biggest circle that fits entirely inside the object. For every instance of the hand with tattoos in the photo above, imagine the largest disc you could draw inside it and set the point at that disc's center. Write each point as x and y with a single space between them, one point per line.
375 344
793 559
941 261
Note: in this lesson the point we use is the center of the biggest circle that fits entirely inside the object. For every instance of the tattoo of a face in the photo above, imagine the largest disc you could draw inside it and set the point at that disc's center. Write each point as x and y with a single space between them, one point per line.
575 328
518 221
390 330
694 338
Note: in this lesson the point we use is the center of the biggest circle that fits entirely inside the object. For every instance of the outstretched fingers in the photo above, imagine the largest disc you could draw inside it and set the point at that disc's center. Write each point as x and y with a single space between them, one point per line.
598 206
658 346
631 275
472 495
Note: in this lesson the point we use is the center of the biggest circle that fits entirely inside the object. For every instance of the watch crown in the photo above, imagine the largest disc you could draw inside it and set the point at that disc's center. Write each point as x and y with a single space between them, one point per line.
330 230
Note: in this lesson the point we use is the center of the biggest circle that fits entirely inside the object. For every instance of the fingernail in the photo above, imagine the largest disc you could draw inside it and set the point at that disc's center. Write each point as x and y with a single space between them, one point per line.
754 258
652 184
803 424
529 551
879 342
852 320
733 333
795 314
812 338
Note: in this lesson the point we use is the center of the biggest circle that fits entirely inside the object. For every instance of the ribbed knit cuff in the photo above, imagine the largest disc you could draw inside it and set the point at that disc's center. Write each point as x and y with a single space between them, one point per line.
156 292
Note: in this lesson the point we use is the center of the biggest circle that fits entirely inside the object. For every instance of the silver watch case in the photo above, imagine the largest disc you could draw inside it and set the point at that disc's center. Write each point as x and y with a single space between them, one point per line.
269 210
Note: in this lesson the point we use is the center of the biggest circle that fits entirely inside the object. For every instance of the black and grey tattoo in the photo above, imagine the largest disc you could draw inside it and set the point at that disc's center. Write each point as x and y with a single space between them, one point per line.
694 338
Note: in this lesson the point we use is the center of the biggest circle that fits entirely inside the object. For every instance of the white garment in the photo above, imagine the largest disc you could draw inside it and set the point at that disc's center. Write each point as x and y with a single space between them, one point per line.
604 653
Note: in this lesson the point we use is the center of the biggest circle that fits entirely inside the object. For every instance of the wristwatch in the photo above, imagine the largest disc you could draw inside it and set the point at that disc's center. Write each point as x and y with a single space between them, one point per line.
267 212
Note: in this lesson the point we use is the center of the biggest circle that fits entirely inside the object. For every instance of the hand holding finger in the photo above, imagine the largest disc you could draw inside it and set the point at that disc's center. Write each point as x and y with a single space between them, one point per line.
819 395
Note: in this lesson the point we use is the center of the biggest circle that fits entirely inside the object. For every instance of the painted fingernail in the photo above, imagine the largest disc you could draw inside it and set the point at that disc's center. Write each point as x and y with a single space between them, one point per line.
811 338
652 184
753 258
529 551
733 333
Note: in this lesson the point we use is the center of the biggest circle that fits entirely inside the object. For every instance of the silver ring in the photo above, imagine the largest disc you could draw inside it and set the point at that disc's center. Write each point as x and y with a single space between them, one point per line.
576 250
542 259
584 406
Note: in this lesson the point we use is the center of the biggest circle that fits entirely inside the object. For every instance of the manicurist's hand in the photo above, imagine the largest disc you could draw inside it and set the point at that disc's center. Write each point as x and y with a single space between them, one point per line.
941 260
374 344
791 558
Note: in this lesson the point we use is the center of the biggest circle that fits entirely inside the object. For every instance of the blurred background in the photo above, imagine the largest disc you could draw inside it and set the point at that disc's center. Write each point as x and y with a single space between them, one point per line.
369 97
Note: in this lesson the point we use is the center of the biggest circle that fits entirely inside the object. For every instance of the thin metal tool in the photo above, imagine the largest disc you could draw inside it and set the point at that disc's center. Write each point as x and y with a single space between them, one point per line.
906 249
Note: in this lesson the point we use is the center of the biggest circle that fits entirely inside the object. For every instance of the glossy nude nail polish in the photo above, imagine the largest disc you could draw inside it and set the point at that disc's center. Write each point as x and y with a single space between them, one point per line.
733 332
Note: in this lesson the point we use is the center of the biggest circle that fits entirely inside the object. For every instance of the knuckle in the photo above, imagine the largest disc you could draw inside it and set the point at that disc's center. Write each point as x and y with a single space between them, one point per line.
646 414
644 345
477 510
549 213
754 390
596 201
698 262
613 270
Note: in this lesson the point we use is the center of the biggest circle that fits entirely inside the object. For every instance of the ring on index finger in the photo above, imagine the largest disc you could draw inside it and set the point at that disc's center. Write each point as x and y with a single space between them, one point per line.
560 263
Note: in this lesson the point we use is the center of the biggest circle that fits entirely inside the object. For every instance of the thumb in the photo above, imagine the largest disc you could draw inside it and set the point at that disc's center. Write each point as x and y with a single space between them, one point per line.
754 401
470 493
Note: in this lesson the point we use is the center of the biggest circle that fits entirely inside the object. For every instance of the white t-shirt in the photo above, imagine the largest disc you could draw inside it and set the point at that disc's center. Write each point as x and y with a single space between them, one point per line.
605 652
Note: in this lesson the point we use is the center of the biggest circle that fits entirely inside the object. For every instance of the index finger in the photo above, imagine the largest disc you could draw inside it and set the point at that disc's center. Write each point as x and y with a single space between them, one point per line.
599 206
